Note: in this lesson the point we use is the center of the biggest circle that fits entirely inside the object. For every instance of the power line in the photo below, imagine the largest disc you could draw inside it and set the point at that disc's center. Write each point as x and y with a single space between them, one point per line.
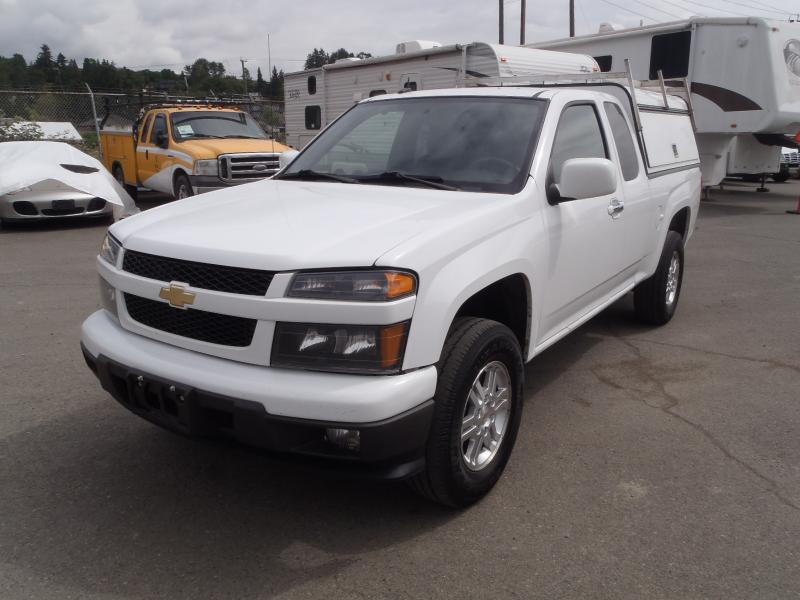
631 11
775 12
650 6
693 2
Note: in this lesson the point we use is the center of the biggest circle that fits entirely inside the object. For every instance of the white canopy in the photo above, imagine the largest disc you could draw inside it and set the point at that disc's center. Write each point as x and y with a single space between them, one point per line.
23 164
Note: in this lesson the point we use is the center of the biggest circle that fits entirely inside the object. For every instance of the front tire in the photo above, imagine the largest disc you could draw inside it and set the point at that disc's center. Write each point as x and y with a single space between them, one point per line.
183 187
656 298
478 406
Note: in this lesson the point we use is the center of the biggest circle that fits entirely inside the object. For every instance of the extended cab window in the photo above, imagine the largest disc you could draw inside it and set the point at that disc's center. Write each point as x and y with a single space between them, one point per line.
144 133
579 135
623 140
469 143
159 127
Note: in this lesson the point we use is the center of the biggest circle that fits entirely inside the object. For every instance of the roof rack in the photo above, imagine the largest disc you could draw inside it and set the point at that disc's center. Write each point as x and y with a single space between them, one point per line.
144 104
625 79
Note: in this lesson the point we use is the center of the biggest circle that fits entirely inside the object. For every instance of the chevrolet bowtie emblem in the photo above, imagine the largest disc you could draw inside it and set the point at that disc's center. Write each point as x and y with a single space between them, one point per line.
176 294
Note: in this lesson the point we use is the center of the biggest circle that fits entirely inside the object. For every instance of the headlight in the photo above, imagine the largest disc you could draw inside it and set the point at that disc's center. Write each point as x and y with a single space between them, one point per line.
206 167
109 251
108 297
344 348
365 286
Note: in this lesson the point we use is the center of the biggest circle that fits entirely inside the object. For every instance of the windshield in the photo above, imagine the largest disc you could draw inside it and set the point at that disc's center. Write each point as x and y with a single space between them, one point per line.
214 124
467 143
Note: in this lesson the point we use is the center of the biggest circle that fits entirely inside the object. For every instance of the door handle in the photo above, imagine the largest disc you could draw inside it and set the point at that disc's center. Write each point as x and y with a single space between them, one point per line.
615 208
146 153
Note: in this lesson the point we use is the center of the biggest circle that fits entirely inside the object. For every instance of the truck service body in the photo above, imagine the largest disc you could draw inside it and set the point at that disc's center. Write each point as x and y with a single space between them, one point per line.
174 150
374 303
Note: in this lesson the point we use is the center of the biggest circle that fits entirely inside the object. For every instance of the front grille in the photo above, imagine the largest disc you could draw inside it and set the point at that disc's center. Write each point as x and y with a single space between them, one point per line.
191 323
60 212
248 167
234 280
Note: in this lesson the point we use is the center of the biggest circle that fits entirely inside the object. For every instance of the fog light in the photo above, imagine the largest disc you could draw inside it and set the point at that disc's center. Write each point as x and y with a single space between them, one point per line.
349 439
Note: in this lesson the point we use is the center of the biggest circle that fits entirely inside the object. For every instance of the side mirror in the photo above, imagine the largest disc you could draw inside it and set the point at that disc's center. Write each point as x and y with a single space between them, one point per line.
583 178
286 158
161 140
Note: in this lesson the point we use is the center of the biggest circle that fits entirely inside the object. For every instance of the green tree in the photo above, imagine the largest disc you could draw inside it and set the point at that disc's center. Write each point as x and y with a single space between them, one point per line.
316 58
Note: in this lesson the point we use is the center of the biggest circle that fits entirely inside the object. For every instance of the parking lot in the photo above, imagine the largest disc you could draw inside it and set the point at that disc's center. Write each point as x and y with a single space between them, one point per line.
652 463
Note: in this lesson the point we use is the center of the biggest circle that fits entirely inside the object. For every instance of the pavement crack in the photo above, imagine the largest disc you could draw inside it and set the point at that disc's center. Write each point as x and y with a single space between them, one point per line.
764 361
643 366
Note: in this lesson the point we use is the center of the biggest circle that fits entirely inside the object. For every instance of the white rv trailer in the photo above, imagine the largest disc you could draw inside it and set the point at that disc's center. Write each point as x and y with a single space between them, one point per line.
316 97
744 77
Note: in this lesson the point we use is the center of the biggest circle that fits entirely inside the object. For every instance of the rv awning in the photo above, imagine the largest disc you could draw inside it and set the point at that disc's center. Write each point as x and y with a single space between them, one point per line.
28 163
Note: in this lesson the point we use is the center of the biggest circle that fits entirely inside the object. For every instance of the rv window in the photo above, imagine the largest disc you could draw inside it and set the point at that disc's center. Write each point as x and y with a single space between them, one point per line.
377 93
670 53
623 141
604 62
578 136
312 85
313 117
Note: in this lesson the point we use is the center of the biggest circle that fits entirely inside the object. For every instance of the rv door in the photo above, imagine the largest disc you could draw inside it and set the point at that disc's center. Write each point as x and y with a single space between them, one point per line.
410 82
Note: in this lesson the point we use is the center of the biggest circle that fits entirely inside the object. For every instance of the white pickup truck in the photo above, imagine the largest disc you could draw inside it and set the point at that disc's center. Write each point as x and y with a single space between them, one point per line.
373 305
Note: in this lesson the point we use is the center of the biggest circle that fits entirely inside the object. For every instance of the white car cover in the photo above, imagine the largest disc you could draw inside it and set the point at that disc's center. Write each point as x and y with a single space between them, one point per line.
27 163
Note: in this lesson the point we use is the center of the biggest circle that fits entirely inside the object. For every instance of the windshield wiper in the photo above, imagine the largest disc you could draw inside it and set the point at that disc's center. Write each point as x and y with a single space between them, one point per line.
242 137
429 180
310 175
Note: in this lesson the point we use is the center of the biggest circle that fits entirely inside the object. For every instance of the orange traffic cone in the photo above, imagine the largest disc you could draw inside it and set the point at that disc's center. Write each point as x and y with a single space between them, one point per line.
796 211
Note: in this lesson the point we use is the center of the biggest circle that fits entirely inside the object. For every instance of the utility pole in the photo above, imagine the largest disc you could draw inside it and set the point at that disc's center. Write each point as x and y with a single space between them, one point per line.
501 20
571 18
269 68
244 79
522 23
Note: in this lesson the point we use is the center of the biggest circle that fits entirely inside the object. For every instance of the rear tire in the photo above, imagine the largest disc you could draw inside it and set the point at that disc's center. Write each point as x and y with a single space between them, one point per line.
119 175
183 187
656 298
477 411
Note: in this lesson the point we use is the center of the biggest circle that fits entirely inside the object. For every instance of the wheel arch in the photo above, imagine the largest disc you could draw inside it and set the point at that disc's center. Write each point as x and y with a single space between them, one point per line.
680 222
507 300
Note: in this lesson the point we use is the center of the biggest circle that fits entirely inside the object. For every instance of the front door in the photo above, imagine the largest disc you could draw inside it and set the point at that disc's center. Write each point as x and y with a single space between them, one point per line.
587 258
148 155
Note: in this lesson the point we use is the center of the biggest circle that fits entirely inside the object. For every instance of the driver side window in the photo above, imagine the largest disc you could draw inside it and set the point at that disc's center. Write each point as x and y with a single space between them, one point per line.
159 126
578 136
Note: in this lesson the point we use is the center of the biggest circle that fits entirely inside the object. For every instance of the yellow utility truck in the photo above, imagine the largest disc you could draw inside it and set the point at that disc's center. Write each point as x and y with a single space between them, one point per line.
188 149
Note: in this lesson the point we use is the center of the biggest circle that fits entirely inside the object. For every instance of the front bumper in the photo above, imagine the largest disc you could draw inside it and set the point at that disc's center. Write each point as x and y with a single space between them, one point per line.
26 206
283 410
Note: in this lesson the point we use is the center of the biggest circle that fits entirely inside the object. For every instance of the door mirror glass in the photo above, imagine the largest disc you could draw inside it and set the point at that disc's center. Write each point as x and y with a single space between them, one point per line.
286 158
583 178
161 139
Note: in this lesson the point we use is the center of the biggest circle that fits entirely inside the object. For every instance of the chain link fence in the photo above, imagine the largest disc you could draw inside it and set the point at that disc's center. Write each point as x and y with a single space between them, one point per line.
117 110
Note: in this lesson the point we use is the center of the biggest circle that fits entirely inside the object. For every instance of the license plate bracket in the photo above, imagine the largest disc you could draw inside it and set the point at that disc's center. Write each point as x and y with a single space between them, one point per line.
63 204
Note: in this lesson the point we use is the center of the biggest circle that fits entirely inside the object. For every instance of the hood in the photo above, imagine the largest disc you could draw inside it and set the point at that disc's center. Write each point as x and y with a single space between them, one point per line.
288 225
211 148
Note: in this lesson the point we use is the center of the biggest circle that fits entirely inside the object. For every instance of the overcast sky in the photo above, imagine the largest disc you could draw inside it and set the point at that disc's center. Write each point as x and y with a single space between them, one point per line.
166 34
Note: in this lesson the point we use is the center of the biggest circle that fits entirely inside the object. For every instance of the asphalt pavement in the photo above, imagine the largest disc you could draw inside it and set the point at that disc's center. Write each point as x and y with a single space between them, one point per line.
651 463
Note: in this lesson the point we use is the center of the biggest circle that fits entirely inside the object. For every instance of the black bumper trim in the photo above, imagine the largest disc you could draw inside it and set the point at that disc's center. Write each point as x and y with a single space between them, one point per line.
393 448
